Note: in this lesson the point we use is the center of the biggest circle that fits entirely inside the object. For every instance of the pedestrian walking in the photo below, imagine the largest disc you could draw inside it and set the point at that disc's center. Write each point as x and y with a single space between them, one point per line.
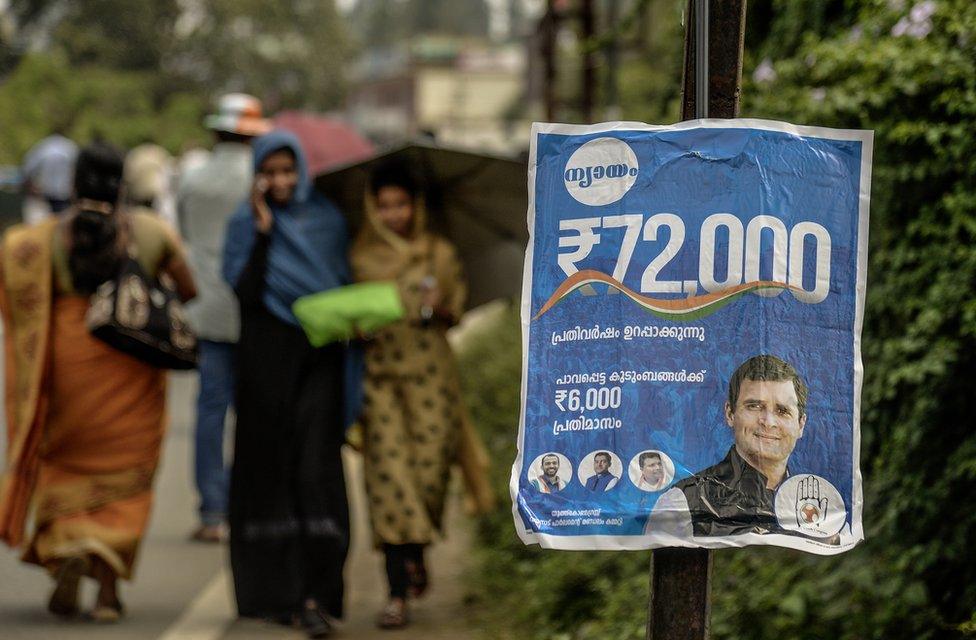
85 421
413 417
208 196
149 176
289 520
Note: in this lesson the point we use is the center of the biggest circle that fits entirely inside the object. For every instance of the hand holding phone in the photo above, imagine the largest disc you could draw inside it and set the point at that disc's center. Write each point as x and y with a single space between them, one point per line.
263 218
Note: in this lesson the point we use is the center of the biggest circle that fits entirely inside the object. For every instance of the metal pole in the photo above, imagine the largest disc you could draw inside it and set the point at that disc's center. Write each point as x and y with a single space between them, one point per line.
680 605
726 34
680 602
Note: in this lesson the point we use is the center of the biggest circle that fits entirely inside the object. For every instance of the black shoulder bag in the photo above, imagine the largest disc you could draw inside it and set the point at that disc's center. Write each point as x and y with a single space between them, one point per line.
142 318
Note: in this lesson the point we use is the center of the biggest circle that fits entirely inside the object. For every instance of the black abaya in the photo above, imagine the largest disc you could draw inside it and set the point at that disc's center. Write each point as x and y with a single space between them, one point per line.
289 515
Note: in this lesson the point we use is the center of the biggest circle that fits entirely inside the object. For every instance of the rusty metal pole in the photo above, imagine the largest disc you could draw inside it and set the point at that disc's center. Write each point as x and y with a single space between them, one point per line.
726 27
680 600
589 66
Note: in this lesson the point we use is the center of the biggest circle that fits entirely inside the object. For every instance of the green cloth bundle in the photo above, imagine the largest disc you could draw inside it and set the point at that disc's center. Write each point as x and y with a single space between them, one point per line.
336 314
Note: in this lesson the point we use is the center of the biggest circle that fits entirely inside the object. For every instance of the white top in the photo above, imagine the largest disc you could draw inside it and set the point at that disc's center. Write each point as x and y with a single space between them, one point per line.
207 197
50 165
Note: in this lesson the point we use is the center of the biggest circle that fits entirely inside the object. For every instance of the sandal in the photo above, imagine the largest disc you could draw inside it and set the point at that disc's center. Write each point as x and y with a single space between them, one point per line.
417 576
394 616
315 623
107 613
209 533
64 598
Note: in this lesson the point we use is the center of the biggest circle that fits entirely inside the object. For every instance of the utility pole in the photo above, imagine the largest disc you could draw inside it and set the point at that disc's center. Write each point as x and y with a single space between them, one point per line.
680 599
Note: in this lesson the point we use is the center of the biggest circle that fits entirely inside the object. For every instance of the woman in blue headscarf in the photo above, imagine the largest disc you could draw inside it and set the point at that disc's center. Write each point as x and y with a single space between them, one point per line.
288 510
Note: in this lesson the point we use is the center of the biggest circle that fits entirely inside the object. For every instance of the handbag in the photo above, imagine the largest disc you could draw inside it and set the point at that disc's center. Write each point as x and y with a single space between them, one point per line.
143 318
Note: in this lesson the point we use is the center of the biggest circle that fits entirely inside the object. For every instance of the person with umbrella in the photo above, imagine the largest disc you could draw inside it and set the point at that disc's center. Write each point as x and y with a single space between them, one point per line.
413 415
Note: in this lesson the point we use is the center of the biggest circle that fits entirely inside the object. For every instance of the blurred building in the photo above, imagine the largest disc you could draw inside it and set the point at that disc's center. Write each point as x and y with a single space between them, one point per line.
460 91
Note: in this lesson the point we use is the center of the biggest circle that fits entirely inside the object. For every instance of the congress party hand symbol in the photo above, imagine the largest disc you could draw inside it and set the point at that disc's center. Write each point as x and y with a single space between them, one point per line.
811 509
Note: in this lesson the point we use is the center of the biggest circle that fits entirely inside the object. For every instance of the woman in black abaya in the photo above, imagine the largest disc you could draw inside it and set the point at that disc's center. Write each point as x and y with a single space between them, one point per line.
289 521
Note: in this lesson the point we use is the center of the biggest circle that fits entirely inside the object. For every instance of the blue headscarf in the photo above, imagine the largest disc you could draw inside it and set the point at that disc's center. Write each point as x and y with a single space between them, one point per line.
307 252
308 239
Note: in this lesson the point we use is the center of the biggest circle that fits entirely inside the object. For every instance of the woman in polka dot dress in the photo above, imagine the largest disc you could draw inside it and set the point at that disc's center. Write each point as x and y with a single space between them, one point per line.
413 415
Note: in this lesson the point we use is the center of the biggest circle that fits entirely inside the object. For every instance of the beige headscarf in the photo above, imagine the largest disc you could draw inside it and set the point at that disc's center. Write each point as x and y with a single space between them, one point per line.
380 254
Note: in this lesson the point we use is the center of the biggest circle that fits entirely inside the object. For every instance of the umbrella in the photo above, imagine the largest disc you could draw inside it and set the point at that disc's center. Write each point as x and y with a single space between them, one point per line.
327 142
478 201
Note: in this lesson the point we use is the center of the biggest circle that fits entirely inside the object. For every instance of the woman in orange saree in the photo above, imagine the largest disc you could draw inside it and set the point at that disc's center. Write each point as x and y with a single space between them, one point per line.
84 421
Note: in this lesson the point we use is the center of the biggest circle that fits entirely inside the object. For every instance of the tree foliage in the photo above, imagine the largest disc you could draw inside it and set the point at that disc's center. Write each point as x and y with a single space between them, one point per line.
138 70
381 23
291 53
46 93
907 71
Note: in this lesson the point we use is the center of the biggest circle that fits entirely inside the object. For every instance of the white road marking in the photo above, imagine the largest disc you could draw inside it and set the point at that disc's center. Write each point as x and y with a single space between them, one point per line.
208 616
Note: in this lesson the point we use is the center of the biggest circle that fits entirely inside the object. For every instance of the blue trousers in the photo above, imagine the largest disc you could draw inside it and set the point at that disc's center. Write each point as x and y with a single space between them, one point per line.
216 367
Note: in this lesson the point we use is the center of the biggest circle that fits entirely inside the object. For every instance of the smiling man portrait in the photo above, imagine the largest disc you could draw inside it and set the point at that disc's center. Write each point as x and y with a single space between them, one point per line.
548 481
766 410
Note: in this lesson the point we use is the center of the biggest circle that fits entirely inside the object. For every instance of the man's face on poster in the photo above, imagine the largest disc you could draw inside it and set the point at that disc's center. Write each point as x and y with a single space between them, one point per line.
601 463
652 470
766 420
550 466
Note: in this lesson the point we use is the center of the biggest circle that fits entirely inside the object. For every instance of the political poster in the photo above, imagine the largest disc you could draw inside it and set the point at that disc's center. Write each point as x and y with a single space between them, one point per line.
691 314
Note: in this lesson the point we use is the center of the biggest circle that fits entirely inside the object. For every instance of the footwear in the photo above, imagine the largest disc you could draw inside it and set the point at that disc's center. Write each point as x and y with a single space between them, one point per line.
417 575
315 623
106 613
209 533
64 599
394 615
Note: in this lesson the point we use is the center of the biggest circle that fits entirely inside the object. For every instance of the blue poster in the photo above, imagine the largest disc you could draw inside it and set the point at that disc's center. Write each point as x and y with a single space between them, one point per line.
691 314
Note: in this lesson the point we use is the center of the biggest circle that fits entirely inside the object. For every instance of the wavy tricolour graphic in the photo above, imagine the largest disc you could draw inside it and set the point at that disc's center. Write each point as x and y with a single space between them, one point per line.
685 309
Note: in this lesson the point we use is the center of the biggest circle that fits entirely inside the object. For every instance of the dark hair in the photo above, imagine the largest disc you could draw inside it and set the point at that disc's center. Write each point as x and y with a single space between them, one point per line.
647 454
393 173
95 255
769 369
549 455
604 454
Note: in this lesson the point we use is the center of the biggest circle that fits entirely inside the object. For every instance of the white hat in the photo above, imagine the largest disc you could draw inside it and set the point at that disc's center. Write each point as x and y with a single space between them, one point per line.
238 113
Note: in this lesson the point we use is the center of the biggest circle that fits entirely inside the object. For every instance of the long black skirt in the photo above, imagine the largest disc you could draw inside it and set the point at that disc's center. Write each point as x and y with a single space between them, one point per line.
289 516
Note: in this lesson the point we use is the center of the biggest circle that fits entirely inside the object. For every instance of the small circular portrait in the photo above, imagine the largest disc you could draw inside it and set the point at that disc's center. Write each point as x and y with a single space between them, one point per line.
651 470
600 471
550 472
809 504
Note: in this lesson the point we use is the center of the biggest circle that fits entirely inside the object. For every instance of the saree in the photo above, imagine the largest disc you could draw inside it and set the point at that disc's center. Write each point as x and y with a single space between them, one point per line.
85 422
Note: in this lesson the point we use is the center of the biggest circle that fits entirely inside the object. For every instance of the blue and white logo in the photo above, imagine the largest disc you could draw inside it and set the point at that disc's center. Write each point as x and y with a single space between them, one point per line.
601 171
